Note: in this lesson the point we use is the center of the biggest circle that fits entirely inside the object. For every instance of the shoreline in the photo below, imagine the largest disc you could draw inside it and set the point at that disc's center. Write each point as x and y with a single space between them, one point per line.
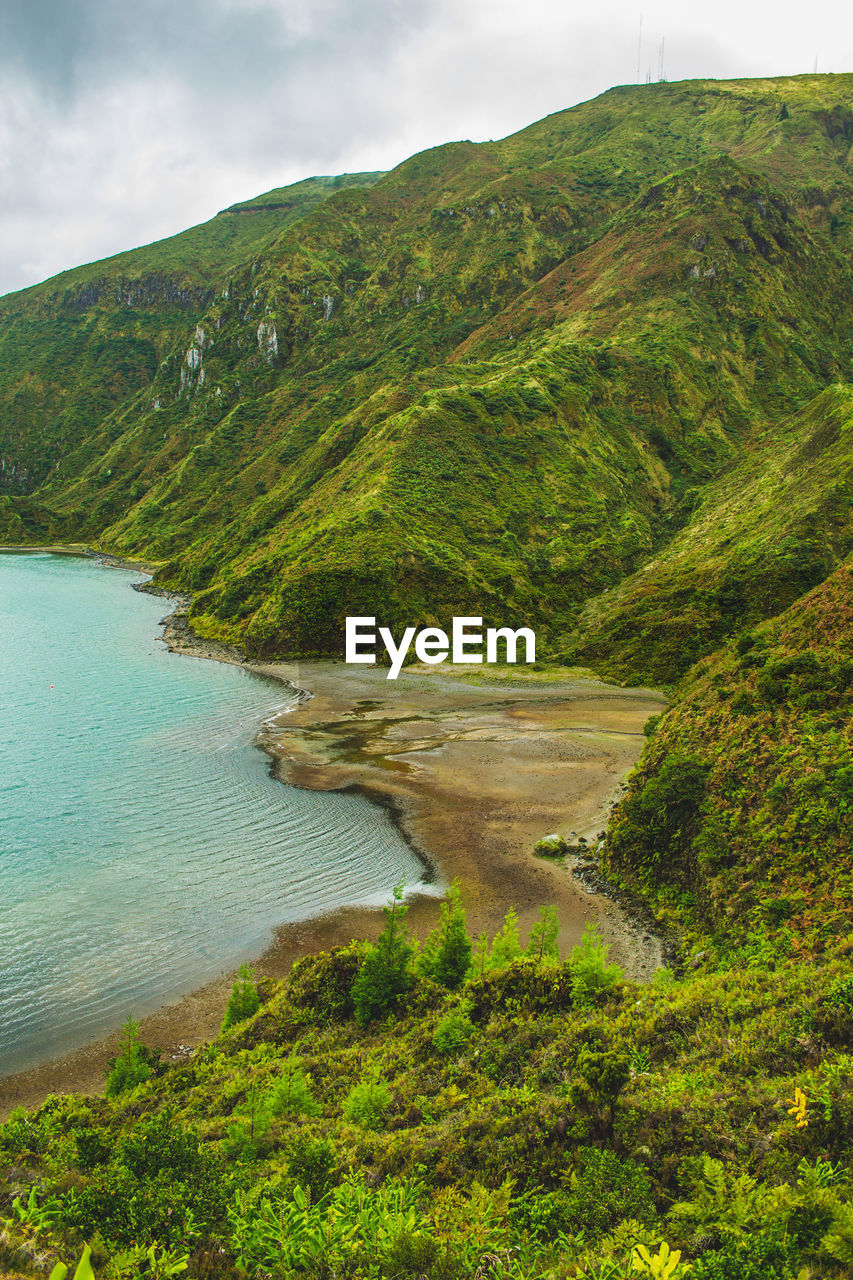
424 747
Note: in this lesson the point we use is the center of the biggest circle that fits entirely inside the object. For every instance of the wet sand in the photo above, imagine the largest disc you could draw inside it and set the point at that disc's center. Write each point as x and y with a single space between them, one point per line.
476 769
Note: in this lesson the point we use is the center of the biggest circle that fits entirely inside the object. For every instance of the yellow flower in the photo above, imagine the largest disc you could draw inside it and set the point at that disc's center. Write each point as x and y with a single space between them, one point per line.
799 1109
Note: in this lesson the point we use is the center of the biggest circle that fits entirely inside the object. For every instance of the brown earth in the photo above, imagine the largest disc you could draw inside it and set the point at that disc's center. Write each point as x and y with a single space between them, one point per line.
477 767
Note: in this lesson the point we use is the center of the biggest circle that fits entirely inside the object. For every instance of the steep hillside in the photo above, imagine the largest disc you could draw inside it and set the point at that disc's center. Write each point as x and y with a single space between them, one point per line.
540 1122
762 535
83 343
492 381
739 819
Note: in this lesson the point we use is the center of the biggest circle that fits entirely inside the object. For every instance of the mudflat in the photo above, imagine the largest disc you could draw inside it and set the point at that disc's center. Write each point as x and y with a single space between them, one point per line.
478 765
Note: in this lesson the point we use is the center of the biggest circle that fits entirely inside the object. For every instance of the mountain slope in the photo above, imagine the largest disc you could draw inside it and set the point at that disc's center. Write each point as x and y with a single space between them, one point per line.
762 535
491 382
81 344
740 816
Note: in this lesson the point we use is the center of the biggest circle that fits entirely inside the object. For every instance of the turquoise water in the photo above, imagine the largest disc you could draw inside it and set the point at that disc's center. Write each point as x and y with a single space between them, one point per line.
144 846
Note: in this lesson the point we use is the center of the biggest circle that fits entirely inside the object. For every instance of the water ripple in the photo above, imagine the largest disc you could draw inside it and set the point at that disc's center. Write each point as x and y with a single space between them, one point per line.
144 845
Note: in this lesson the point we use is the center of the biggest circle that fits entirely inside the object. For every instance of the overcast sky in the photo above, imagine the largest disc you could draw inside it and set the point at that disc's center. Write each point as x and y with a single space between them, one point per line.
122 121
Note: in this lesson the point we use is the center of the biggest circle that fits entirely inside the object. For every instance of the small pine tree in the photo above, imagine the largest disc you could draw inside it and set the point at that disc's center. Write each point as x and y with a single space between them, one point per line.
384 974
481 955
542 945
367 1102
591 972
506 946
244 999
291 1094
247 1137
454 1030
132 1066
446 955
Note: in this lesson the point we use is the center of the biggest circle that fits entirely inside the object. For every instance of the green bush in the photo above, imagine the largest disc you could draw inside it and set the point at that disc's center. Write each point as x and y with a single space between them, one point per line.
542 945
605 1190
93 1146
454 1031
384 974
446 954
291 1094
367 1103
589 967
763 1257
410 1253
311 1165
244 1000
506 945
247 1135
132 1067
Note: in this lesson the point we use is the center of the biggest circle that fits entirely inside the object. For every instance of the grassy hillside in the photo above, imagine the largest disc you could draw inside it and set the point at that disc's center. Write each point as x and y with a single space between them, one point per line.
378 1115
775 524
592 376
740 817
85 342
541 1121
493 381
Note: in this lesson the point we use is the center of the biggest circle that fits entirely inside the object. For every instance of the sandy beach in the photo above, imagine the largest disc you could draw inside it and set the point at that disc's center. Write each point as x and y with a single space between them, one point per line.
477 767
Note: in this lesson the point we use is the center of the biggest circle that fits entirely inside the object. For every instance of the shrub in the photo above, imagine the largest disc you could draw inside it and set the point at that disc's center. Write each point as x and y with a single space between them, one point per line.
321 986
602 1075
132 1067
94 1147
506 946
410 1253
244 999
605 1190
160 1145
311 1164
763 1257
384 974
453 1031
291 1093
167 1205
542 945
840 993
247 1135
367 1103
446 955
590 970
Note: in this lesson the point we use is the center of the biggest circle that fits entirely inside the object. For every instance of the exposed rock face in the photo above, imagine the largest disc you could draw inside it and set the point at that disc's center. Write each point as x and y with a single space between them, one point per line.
14 478
268 339
149 291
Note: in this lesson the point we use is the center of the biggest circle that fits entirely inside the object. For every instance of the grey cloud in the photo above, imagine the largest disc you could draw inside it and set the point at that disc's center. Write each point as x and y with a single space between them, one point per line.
122 121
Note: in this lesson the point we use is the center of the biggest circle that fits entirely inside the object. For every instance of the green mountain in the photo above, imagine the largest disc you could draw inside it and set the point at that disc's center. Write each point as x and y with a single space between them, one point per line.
739 820
497 380
79 346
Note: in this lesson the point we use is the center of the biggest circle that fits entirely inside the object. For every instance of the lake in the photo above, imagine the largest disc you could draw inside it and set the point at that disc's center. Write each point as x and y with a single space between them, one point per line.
144 845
